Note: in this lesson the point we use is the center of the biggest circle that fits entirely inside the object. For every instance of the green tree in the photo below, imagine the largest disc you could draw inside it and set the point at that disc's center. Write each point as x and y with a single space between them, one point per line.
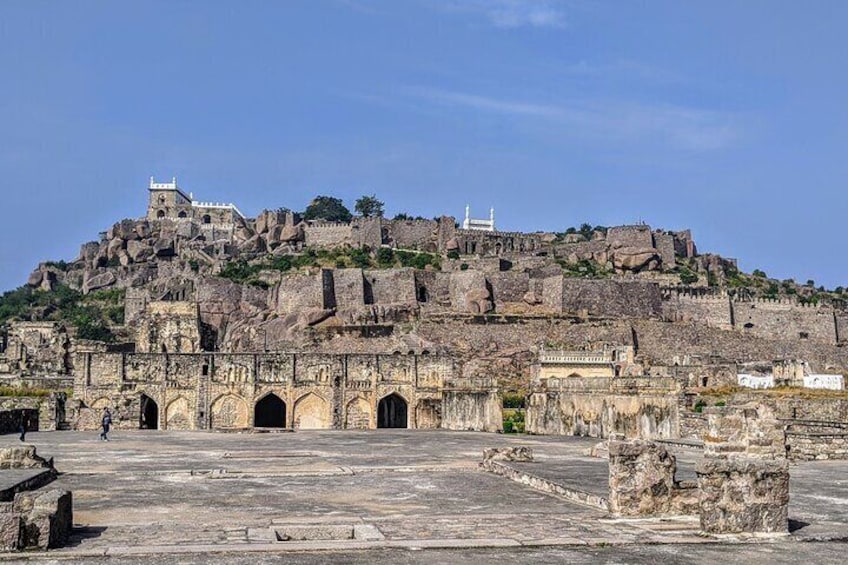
369 207
327 208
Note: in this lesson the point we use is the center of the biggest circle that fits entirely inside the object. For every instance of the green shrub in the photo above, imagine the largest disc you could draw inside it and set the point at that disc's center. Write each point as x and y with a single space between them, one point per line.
360 258
239 271
453 254
463 267
513 421
688 277
513 400
385 257
281 263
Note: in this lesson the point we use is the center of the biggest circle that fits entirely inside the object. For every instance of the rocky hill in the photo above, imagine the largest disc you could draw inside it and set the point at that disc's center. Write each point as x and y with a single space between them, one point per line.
278 281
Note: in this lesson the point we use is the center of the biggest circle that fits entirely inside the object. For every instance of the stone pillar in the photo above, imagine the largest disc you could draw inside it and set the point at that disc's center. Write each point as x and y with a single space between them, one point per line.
742 495
750 430
641 478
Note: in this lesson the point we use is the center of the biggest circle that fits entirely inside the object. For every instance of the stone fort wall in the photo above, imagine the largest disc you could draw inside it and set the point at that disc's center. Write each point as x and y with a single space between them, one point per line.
767 318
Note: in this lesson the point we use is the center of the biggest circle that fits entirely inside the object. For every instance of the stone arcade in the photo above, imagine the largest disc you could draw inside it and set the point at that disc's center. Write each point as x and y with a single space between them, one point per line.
224 391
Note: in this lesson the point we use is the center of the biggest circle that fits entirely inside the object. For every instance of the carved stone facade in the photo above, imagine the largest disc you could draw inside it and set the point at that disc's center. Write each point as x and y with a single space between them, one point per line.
289 390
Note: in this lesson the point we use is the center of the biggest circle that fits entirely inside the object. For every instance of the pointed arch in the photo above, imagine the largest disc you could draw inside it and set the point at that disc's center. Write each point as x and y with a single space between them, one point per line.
229 412
269 412
148 413
177 415
392 412
358 414
312 412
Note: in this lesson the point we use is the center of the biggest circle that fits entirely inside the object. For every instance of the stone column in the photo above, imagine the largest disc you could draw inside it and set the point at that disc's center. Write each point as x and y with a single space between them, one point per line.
641 478
743 495
750 430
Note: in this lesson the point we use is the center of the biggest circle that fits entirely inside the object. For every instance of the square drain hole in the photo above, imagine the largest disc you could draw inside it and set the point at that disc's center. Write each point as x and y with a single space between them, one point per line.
327 532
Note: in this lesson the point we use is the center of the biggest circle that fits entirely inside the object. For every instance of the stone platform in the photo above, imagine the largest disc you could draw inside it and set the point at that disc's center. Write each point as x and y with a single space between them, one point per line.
375 496
13 481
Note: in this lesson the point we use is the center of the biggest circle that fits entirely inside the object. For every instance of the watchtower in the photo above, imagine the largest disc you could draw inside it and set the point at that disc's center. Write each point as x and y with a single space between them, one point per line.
167 201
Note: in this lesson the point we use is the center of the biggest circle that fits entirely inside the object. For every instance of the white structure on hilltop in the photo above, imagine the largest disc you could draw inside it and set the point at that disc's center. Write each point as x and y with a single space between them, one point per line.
479 225
168 201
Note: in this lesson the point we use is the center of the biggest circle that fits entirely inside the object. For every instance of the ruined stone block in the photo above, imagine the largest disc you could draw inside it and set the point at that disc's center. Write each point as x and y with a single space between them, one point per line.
743 496
10 531
46 518
641 478
21 457
750 430
519 453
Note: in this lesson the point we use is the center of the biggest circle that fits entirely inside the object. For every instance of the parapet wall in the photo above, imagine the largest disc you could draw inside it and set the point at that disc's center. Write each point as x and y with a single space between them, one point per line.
328 234
785 319
767 318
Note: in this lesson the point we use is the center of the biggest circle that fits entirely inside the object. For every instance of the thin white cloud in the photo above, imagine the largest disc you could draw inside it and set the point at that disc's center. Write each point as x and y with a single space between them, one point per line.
510 14
610 120
484 103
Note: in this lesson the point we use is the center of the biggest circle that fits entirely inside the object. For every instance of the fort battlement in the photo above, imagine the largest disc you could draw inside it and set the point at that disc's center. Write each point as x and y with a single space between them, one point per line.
320 224
788 302
688 293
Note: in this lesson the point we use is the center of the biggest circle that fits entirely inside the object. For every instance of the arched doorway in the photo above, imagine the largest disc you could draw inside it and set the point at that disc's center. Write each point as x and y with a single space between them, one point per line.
148 413
391 412
270 412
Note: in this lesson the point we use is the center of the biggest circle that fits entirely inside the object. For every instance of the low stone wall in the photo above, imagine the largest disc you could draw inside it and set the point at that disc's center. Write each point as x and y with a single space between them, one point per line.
810 440
544 485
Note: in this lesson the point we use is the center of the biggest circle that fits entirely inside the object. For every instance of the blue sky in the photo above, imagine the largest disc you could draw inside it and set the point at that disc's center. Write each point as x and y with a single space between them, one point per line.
729 118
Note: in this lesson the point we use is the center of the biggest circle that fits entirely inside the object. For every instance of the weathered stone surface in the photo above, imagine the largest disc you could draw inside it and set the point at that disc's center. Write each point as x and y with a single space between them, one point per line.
517 453
35 278
574 238
641 478
139 251
743 496
750 430
291 233
164 247
113 247
142 229
531 298
10 531
100 281
636 258
21 457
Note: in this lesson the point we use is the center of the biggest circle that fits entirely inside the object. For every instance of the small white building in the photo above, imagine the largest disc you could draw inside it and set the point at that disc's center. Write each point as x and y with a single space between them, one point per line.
829 382
479 225
755 381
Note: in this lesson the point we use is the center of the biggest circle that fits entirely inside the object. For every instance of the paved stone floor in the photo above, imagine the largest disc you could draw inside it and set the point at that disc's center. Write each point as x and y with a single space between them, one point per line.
404 496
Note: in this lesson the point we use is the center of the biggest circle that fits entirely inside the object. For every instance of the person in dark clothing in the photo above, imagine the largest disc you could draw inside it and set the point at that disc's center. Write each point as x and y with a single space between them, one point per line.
22 429
106 422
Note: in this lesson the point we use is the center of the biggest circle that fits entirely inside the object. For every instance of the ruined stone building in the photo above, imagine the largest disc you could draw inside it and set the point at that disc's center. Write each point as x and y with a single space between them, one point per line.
622 347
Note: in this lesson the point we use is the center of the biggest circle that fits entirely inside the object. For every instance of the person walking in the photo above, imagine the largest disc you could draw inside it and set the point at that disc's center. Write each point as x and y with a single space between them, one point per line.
105 422
22 428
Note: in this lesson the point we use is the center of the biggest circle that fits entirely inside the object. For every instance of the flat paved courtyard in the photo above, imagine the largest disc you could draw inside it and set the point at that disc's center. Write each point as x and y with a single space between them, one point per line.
384 496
